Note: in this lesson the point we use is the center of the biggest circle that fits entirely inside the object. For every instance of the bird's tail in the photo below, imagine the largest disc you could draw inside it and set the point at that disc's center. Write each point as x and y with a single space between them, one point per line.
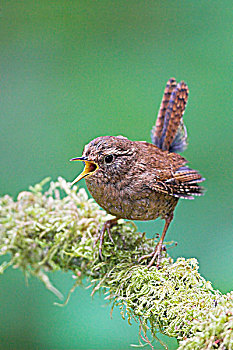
169 132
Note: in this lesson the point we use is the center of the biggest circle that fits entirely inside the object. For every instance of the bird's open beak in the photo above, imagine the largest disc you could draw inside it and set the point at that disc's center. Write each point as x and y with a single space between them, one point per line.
90 168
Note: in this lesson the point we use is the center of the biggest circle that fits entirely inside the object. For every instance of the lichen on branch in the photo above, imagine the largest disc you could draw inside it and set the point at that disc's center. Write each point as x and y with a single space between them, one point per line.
57 229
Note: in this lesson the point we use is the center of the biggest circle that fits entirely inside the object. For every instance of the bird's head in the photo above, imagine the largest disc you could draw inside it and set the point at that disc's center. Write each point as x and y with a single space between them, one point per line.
107 158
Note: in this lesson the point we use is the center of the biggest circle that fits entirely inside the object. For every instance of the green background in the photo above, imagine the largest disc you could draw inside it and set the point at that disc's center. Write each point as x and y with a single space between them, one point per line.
75 70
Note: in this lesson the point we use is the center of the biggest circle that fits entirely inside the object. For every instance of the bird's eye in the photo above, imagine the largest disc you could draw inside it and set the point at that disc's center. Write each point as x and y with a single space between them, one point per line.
108 159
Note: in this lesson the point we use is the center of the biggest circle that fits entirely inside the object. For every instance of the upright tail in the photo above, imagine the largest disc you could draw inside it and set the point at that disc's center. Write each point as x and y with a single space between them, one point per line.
169 132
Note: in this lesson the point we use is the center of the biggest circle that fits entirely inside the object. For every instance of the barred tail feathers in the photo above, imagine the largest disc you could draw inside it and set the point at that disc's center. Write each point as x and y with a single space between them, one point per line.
156 132
169 132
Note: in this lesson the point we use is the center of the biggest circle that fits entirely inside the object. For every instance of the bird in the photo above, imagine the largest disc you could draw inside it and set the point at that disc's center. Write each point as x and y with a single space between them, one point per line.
137 180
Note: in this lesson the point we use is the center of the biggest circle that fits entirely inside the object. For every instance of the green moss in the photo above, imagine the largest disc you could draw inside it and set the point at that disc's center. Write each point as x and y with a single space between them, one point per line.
57 230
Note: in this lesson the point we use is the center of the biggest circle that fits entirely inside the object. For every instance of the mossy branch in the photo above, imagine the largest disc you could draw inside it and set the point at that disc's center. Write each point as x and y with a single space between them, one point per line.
56 230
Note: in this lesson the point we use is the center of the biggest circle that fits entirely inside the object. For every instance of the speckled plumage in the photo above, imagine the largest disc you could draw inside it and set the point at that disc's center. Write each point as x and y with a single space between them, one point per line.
126 188
137 180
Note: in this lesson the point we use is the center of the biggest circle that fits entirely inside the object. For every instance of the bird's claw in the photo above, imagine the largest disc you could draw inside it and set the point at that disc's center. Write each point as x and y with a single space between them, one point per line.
106 227
100 238
156 254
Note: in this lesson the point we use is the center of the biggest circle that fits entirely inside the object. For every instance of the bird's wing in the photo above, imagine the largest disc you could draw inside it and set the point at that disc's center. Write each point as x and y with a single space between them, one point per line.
183 183
167 172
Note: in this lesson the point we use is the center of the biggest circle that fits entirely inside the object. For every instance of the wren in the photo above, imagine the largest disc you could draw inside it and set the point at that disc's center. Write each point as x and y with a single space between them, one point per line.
137 180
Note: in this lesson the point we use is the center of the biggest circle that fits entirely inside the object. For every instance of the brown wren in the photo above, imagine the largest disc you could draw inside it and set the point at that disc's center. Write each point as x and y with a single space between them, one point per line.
137 180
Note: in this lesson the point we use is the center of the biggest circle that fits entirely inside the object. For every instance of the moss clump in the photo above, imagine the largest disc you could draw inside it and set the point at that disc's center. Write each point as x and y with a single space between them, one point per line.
57 230
213 329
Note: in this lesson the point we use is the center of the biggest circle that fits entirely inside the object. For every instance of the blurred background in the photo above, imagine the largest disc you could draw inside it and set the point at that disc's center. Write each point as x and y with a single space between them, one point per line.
75 70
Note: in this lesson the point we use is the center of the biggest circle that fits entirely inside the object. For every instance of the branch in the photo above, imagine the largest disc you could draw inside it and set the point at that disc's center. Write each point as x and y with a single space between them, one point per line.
56 230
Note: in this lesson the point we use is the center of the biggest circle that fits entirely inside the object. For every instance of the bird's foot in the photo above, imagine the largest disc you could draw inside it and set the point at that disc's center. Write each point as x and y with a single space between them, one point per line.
106 227
156 254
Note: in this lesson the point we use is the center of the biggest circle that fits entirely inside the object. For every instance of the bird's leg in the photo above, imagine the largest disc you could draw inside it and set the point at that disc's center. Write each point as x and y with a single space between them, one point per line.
157 252
106 226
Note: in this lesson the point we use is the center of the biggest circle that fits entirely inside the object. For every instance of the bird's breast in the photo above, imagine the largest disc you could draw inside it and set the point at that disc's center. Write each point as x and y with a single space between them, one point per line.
130 201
